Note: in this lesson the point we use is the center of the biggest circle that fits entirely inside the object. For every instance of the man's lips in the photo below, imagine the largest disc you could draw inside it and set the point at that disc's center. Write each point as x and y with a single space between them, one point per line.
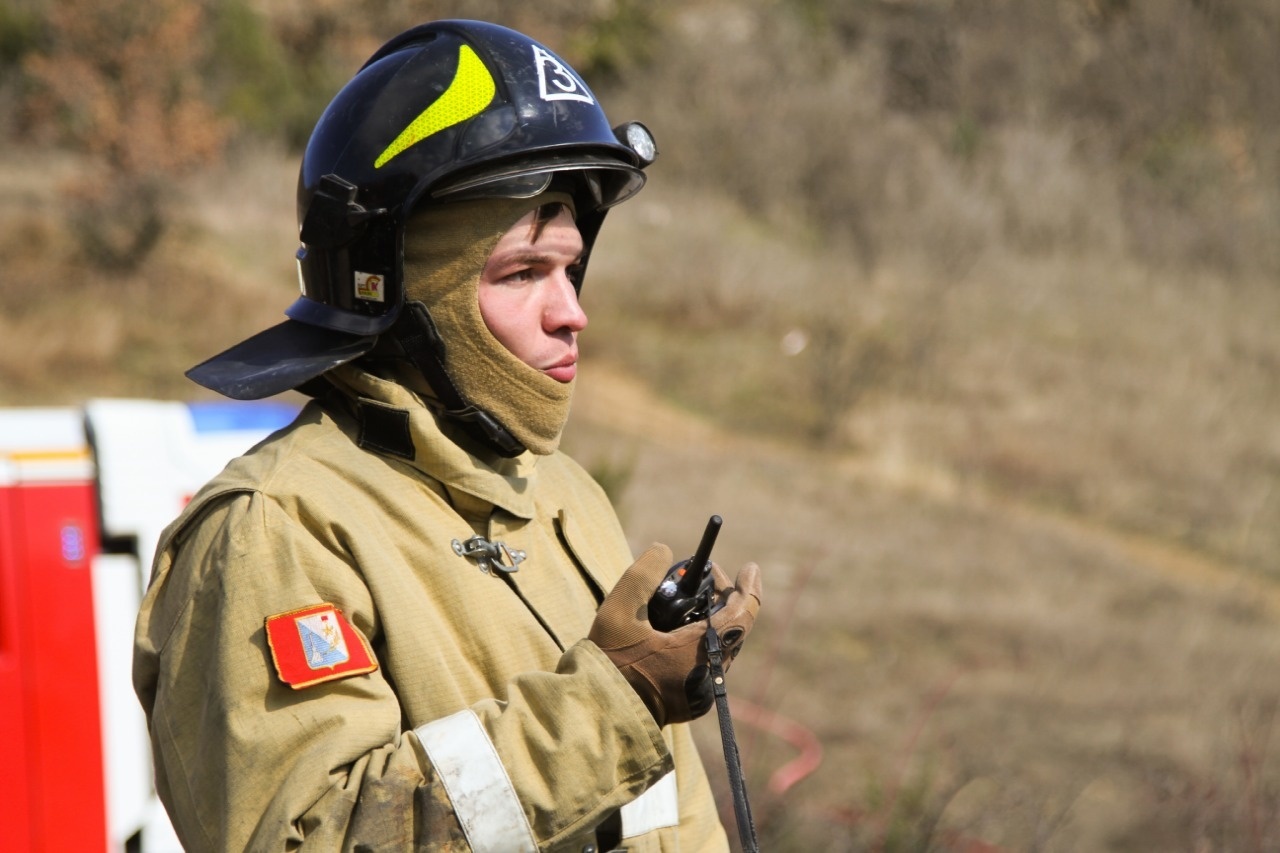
563 370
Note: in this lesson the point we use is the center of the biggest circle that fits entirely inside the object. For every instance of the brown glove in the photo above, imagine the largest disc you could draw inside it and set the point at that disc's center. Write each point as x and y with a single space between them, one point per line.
669 670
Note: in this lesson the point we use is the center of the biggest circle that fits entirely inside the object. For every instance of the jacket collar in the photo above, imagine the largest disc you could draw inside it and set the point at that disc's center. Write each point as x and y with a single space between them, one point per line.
443 454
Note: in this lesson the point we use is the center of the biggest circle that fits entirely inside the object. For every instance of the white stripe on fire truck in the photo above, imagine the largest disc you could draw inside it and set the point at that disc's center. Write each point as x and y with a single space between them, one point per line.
44 466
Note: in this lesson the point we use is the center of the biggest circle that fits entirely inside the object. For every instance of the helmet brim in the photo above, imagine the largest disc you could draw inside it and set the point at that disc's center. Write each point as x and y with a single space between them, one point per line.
278 359
609 180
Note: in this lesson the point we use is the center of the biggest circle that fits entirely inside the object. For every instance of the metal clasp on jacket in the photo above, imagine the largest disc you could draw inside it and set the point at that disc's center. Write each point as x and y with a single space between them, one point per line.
489 556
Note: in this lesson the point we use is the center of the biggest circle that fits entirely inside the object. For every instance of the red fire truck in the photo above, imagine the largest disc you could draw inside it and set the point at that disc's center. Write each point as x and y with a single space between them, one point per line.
84 495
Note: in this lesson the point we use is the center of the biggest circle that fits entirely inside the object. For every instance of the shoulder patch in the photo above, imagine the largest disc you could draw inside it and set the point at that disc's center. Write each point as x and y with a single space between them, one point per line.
316 644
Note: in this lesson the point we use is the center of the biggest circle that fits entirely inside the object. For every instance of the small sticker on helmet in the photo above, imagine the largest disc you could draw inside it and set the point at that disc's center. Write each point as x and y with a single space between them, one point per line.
369 287
556 82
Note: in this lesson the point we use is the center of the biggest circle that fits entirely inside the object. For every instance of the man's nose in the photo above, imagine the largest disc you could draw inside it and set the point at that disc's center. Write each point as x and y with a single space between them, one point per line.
563 311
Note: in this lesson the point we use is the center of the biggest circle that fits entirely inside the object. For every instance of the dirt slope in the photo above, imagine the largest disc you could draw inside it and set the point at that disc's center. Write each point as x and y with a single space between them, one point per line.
973 668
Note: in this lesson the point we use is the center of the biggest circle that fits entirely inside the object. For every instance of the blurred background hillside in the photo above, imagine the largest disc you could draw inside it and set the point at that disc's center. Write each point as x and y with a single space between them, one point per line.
967 308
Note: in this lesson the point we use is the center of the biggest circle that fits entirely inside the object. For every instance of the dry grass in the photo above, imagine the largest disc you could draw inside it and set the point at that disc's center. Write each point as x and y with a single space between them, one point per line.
72 331
1087 382
974 670
1042 605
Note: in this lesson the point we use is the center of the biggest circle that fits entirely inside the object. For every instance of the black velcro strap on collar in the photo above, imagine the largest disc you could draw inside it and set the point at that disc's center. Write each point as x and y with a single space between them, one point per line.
417 335
385 429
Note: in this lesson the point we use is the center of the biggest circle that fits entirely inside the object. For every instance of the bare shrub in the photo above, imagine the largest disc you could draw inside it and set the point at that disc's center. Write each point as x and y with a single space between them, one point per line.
854 115
120 80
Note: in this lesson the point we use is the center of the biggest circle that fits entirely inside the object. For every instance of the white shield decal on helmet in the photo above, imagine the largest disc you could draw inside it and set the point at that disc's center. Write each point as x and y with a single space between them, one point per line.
556 82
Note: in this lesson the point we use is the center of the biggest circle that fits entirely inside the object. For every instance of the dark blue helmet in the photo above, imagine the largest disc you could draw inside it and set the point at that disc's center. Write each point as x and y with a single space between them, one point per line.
445 111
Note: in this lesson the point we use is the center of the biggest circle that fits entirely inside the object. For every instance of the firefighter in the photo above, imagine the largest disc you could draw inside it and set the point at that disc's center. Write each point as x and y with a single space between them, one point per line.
407 620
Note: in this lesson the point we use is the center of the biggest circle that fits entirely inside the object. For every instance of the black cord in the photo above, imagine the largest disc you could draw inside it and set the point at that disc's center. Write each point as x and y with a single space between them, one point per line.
732 761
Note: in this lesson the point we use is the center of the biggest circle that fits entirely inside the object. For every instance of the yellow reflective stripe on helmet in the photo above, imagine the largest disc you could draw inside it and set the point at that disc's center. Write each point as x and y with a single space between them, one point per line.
470 92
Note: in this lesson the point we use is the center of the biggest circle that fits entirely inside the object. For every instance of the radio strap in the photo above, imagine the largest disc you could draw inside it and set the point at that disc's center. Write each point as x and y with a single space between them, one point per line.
732 761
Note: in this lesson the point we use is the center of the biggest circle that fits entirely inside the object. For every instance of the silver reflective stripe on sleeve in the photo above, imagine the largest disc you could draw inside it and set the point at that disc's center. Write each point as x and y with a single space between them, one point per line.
481 792
656 808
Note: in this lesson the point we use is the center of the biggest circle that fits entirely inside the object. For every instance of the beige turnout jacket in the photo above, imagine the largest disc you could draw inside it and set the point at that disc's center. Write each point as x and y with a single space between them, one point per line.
490 723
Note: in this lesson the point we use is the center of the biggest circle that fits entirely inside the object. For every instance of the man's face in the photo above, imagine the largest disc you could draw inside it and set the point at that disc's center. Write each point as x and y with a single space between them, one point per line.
527 298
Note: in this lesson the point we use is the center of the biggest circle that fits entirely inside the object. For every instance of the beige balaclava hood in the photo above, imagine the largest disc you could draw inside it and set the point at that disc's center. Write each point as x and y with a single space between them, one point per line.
445 251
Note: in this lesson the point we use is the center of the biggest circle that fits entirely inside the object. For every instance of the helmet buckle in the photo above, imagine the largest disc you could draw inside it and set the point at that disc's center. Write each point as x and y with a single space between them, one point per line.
334 217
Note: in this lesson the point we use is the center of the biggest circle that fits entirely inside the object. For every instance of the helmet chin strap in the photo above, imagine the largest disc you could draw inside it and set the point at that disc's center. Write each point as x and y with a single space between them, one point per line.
417 335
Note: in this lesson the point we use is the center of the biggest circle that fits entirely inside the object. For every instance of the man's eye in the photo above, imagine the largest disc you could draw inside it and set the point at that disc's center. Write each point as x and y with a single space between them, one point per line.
520 275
